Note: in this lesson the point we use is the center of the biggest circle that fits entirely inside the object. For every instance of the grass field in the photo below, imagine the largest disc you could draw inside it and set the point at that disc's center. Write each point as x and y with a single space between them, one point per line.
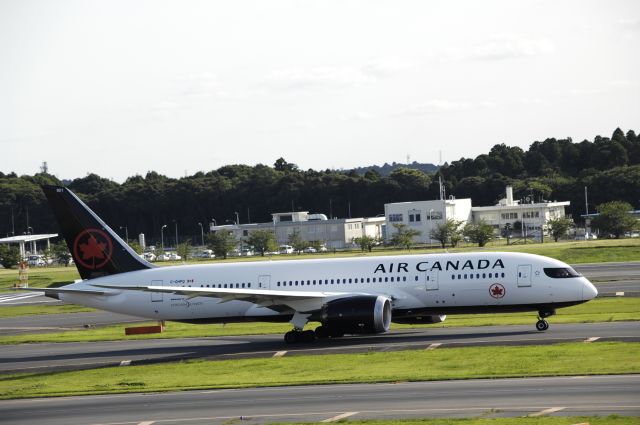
410 365
598 310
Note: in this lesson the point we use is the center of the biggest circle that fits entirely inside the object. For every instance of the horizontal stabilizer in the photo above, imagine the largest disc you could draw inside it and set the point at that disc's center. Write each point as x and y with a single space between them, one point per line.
53 292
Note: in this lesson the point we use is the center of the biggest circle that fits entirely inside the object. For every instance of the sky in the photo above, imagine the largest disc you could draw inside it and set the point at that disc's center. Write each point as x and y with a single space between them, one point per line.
120 88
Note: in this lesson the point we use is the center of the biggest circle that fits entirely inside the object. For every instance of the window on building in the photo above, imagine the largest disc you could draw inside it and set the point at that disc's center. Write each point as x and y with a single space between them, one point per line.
394 218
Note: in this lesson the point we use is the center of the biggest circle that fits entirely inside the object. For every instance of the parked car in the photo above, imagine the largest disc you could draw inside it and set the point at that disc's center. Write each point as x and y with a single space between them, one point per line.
39 260
310 250
174 257
246 252
286 249
586 237
206 253
149 256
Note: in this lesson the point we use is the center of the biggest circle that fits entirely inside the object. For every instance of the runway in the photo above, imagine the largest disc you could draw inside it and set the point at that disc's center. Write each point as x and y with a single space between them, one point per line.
68 356
560 396
613 278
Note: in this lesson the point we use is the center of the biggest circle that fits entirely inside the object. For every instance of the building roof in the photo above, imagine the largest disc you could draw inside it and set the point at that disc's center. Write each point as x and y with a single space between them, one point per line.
27 238
522 206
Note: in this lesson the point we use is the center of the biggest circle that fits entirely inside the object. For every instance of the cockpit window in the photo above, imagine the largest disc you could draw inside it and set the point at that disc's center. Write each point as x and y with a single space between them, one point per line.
561 273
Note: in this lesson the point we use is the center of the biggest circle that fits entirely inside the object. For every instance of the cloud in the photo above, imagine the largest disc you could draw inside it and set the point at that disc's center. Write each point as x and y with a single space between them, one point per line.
532 101
509 46
630 23
438 106
200 85
624 84
301 79
502 47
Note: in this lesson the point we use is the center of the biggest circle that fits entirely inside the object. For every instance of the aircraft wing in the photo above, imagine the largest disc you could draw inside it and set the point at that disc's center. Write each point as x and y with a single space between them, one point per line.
297 300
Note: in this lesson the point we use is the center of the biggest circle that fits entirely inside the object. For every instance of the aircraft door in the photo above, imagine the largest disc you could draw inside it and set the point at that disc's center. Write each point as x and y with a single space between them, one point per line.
431 279
156 296
524 275
264 281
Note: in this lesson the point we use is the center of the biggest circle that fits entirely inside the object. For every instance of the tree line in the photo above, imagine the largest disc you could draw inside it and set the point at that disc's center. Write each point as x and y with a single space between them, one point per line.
553 169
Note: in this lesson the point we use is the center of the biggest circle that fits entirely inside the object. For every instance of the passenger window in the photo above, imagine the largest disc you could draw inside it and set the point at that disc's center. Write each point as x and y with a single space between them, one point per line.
391 278
453 277
502 274
367 280
386 279
416 278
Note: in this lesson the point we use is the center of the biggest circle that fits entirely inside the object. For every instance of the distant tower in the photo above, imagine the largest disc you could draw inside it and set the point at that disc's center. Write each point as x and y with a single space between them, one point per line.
408 159
44 168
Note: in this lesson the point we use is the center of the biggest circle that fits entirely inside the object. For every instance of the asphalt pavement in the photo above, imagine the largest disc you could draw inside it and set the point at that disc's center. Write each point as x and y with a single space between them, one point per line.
86 355
558 396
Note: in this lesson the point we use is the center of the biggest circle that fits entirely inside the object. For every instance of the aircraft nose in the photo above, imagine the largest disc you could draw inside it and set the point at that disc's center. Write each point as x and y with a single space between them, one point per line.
589 291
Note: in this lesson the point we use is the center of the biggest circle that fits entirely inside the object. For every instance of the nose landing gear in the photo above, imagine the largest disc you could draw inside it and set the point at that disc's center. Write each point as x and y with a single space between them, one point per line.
541 324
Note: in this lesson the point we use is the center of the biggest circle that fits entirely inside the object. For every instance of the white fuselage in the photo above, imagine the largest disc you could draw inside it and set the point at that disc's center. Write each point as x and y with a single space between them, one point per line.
437 283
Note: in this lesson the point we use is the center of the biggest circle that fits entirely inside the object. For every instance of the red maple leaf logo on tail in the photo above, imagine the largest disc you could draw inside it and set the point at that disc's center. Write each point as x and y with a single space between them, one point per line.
92 249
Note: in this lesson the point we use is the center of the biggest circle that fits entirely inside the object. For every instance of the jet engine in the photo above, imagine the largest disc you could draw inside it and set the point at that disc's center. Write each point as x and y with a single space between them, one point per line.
362 314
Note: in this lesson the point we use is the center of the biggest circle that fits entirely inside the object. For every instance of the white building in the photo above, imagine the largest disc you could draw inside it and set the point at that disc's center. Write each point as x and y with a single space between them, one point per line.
532 217
334 233
425 215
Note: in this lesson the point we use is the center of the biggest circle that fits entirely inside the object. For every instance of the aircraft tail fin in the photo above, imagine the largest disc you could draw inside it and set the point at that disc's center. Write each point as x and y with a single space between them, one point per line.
96 249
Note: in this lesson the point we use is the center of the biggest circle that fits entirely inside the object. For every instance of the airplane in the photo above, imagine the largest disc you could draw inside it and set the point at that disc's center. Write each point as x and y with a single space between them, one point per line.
346 295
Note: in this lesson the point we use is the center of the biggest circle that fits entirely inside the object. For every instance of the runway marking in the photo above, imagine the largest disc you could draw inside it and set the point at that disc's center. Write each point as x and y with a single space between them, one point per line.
279 353
127 363
592 339
434 346
337 418
146 423
18 297
619 294
547 411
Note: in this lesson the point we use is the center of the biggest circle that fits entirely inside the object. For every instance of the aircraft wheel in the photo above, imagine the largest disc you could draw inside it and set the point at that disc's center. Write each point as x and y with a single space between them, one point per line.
321 332
542 325
291 337
307 336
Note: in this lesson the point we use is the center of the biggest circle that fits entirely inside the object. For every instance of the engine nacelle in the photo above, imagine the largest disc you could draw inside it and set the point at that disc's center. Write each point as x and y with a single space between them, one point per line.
361 314
420 320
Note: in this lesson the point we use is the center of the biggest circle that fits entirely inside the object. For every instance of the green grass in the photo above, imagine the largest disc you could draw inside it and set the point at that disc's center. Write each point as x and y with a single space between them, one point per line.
598 310
28 310
543 420
410 365
40 277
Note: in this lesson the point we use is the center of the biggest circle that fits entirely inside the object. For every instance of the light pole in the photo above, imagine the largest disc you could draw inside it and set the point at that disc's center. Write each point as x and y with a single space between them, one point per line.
176 225
126 233
29 230
430 225
237 218
213 220
162 237
201 233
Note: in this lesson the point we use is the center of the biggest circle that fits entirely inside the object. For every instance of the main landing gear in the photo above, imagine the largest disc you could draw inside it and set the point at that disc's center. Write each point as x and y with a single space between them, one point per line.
542 325
299 336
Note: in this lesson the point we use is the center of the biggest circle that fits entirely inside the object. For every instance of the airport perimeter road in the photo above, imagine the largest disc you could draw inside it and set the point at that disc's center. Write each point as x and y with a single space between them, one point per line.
611 278
64 356
563 396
